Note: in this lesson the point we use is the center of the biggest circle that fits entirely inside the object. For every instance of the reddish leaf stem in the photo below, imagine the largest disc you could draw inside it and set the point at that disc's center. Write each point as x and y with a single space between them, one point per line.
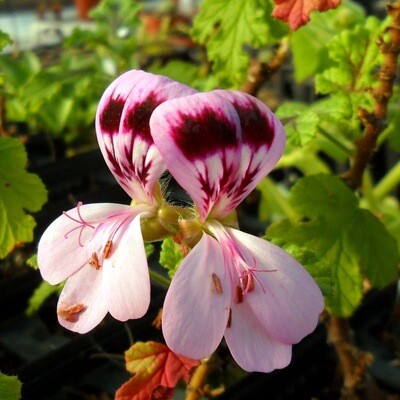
375 121
259 72
352 360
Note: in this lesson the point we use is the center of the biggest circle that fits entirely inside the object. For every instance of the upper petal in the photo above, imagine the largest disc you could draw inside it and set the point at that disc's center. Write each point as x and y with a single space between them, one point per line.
62 249
126 281
199 138
196 308
81 305
286 300
122 125
251 345
263 142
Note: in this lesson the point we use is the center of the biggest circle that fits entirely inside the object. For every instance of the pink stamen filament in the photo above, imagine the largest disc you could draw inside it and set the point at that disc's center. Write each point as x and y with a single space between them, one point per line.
82 224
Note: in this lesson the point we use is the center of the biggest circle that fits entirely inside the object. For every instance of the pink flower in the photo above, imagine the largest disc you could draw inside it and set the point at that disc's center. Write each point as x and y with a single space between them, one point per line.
218 146
99 248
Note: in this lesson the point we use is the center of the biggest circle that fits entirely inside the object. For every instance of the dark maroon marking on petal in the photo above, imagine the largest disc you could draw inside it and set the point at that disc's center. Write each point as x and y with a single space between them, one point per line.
204 134
138 117
257 130
111 116
211 192
115 167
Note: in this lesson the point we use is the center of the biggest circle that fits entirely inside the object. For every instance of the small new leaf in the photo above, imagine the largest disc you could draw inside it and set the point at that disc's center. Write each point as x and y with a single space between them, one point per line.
170 256
157 371
312 38
20 192
351 240
10 387
356 55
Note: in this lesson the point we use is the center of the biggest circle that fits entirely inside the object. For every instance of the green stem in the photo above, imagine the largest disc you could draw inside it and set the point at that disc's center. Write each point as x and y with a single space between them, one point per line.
333 140
368 191
389 182
155 276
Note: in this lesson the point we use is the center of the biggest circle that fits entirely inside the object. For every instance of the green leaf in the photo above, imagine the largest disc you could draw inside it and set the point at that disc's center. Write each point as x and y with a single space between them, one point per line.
4 40
170 256
19 71
180 71
226 26
273 201
301 124
39 296
356 57
311 39
351 240
20 192
318 268
10 387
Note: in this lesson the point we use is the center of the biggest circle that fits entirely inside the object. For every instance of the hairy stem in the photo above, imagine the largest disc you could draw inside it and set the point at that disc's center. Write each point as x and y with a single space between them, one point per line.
375 121
352 361
156 277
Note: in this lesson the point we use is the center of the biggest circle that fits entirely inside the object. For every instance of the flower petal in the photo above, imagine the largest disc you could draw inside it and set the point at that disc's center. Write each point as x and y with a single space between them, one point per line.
196 308
126 279
263 138
81 305
122 125
286 300
199 138
62 250
251 346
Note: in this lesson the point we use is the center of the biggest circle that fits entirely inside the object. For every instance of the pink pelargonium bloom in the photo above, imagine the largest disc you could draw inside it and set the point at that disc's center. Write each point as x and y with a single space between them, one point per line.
218 146
99 248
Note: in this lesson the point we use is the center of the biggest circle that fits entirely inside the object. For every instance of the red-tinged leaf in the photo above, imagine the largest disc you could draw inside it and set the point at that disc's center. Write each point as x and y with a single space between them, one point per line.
297 12
157 371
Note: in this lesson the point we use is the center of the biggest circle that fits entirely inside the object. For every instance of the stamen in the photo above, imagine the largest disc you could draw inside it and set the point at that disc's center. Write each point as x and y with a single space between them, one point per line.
94 261
229 323
108 249
248 281
217 287
82 224
238 295
71 313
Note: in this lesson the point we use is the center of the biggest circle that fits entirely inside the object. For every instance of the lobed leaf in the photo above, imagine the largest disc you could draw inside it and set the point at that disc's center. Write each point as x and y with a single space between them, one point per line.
351 240
170 256
20 192
157 371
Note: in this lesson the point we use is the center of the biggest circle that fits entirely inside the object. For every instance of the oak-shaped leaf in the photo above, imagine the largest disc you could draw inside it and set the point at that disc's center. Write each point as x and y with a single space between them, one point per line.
157 370
20 192
297 12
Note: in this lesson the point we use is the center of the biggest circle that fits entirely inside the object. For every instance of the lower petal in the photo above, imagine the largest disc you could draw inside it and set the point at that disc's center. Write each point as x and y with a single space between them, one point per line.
196 308
286 300
126 277
250 344
81 305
